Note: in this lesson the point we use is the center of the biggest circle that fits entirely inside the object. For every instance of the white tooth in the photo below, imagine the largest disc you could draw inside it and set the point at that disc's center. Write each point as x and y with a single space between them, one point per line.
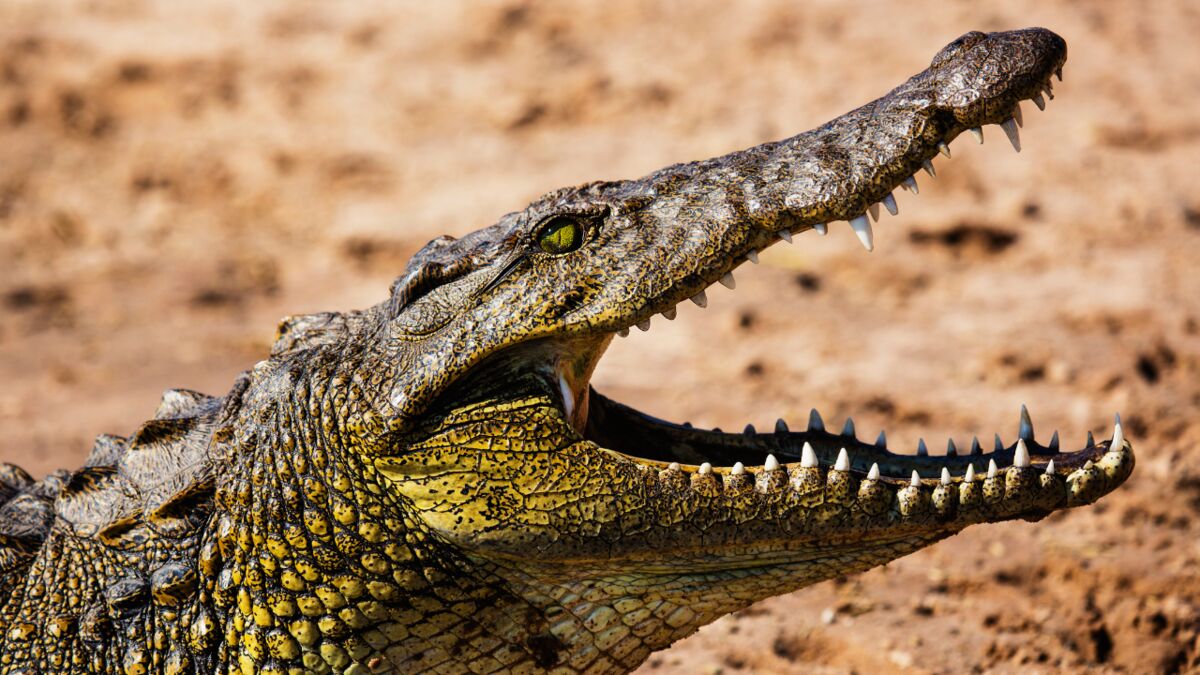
889 202
843 461
910 184
999 444
945 476
881 440
815 423
1039 101
785 235
808 456
1021 456
862 227
752 256
951 448
848 427
669 313
821 228
1010 130
781 426
874 211
749 430
978 133
928 166
992 468
916 479
873 474
771 463
922 451
674 466
1118 437
1017 115
727 281
624 332
1088 466
644 325
944 149
705 469
1050 468
975 449
738 469
701 299
969 477
1025 429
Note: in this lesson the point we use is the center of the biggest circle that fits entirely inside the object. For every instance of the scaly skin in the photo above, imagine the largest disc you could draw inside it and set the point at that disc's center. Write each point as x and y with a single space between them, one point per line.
430 485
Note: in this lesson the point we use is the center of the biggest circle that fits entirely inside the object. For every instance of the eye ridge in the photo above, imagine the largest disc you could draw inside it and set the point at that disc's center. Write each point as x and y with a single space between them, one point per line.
561 234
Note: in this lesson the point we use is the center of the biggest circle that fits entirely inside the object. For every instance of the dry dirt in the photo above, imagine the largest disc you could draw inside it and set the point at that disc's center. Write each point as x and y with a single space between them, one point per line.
175 177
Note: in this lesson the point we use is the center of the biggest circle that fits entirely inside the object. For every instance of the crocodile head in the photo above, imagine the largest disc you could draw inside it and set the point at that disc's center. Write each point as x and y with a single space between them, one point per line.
623 532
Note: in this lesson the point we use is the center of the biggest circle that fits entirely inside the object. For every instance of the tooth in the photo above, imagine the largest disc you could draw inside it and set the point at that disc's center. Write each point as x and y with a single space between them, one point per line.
1021 456
848 427
815 423
669 313
738 469
910 184
922 451
1058 72
1017 115
881 441
644 325
992 468
821 228
1091 442
1025 429
1118 437
862 227
771 464
843 461
874 211
808 456
705 469
916 479
1049 90
978 133
975 449
928 166
1010 130
1039 101
752 256
945 476
889 202
969 477
873 474
999 444
1088 466
624 332
727 281
1054 442
781 426
1050 468
944 149
749 430
673 466
701 299
785 235
951 448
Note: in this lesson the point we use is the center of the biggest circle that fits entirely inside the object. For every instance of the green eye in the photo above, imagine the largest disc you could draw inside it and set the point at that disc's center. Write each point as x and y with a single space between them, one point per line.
560 235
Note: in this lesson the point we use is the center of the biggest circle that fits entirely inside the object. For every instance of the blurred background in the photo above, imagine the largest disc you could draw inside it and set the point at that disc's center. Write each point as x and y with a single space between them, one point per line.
176 177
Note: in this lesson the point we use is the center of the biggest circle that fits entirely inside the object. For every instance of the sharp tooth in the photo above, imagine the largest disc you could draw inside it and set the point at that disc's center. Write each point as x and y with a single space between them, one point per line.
701 299
951 448
922 451
873 474
752 256
771 464
969 477
781 426
910 184
881 441
843 461
821 228
1058 73
673 466
975 449
1025 428
624 332
749 430
808 456
889 202
874 211
1021 456
785 235
999 445
1049 91
928 166
1010 130
944 149
1054 442
727 281
992 468
978 133
705 469
1088 466
916 479
1039 101
862 227
669 313
1050 468
848 427
644 325
738 469
945 476
1118 437
1017 115
1091 441
815 423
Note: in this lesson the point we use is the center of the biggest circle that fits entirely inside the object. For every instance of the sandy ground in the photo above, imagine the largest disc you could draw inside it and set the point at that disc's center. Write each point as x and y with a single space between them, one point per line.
175 177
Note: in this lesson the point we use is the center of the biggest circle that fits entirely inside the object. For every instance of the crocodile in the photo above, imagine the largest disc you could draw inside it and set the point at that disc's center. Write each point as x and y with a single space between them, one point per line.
432 485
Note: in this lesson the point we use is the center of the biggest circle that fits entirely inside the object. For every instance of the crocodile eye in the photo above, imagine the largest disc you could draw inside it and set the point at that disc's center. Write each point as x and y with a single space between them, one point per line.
560 234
